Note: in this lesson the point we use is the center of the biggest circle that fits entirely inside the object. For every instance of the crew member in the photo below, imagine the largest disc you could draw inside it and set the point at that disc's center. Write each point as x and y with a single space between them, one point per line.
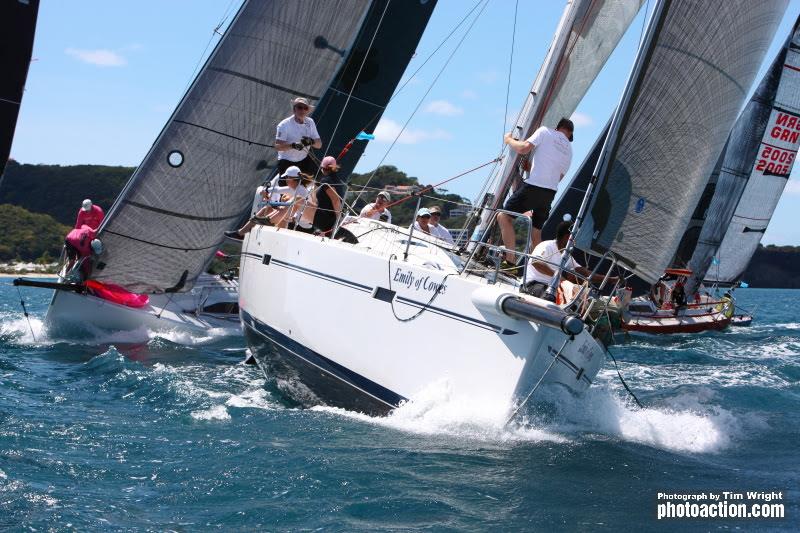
437 230
89 215
552 155
422 223
295 136
378 209
327 200
545 260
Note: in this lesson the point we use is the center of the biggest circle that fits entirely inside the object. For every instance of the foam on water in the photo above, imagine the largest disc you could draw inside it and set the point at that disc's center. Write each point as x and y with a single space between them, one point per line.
435 410
15 329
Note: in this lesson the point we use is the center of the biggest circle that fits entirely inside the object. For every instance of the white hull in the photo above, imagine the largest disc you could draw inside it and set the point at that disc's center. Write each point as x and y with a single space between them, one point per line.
73 315
322 313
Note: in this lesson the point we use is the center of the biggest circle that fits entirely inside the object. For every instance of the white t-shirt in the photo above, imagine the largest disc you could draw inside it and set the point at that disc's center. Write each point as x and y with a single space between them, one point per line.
547 252
275 192
377 215
291 131
552 156
442 233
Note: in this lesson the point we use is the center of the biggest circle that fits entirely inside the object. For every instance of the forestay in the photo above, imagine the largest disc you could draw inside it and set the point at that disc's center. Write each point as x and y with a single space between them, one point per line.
763 148
198 178
588 32
689 82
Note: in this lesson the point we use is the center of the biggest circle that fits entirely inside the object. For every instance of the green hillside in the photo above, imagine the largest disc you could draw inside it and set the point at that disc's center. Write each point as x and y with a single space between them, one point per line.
29 236
58 191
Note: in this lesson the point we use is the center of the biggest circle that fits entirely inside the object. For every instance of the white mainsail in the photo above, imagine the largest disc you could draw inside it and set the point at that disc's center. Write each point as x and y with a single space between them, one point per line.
757 167
688 84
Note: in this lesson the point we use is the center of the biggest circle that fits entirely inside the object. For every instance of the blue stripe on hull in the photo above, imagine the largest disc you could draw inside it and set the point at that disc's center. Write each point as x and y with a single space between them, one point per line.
284 358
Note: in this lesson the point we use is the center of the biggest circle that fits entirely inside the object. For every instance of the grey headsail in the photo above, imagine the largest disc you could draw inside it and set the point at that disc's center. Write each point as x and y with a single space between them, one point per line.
199 176
689 82
16 45
759 158
588 33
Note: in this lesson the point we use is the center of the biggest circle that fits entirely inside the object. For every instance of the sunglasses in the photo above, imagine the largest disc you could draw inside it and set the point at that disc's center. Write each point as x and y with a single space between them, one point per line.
436 214
301 107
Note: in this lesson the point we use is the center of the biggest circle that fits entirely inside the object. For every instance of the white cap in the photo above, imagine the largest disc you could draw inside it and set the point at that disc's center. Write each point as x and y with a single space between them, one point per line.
86 205
97 246
291 172
567 217
423 212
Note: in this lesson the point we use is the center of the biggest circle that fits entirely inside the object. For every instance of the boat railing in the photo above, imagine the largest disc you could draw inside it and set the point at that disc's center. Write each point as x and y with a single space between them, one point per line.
478 245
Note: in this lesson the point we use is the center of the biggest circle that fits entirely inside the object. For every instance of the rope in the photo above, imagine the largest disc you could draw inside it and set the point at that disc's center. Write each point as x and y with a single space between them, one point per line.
541 379
430 88
510 65
424 307
623 380
25 312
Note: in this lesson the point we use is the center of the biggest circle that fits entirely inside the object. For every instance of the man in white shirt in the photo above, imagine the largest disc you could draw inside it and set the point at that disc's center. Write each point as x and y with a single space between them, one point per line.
552 156
545 260
295 136
423 221
437 230
378 209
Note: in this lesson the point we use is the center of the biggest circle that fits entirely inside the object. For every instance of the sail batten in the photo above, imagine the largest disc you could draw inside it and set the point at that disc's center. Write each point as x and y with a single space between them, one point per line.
688 85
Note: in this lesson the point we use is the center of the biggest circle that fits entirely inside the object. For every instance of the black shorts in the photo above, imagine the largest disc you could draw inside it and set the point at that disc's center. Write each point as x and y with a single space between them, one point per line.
532 198
306 166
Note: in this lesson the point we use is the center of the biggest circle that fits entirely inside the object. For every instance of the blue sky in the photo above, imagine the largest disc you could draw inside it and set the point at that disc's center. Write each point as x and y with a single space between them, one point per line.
107 75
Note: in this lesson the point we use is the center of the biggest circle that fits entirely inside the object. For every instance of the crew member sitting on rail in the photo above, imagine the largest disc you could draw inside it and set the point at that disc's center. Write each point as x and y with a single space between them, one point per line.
326 201
280 215
295 136
90 215
437 230
378 209
546 258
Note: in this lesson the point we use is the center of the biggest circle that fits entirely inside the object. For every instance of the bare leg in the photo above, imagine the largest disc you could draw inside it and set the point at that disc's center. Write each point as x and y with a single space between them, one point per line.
536 237
506 224
262 213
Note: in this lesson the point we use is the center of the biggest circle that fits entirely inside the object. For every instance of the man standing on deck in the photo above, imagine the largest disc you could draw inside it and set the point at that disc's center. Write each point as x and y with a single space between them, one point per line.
90 215
295 136
552 156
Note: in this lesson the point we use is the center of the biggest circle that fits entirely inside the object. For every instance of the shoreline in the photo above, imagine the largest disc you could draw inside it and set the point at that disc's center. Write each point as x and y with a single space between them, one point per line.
28 275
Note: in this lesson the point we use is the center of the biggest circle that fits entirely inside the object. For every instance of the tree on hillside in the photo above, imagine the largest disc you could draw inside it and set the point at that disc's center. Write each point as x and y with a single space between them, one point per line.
58 191
29 236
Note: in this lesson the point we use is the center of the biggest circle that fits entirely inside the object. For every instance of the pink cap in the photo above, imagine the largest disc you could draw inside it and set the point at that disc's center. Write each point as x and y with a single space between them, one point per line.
328 161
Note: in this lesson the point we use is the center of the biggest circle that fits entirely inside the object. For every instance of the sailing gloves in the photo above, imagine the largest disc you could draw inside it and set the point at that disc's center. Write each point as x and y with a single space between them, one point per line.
307 141
297 146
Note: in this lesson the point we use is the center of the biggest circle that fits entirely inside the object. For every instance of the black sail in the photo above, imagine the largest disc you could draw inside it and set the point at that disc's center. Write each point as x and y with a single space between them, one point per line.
16 46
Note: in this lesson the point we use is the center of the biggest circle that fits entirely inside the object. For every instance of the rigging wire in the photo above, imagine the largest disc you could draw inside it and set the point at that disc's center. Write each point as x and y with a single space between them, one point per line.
214 33
25 312
430 87
510 66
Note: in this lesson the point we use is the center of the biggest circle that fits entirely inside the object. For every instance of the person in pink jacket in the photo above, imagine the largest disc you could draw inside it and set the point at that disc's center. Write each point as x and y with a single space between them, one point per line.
89 215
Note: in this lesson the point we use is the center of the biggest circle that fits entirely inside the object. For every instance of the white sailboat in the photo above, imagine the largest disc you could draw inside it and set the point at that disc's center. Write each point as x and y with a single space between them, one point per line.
370 324
365 326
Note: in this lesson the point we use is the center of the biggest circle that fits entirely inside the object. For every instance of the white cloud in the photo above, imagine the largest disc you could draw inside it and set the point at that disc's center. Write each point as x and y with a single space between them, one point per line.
792 187
469 94
581 119
101 58
444 108
387 130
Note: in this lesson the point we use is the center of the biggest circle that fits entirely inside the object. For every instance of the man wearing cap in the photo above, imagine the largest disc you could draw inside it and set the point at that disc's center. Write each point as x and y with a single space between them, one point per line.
552 155
378 209
295 136
90 215
437 230
423 221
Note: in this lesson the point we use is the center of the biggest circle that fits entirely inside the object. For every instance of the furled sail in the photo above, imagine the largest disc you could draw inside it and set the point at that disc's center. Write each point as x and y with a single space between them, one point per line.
199 176
687 86
587 34
761 151
16 47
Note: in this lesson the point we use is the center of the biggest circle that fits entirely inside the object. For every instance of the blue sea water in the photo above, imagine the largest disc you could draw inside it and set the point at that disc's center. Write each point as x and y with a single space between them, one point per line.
175 433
